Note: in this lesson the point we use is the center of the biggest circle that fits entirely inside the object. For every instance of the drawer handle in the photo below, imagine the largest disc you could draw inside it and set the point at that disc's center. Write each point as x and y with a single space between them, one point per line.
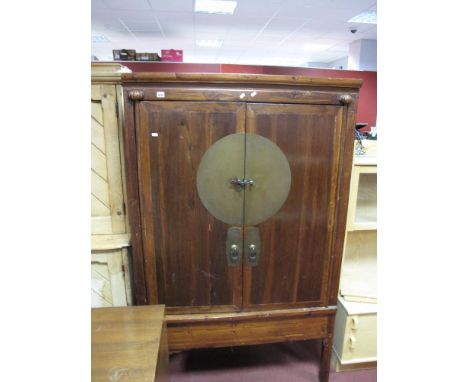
354 323
352 342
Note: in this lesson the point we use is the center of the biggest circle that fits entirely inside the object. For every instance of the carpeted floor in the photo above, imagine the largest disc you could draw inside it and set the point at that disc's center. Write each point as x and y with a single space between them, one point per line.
291 362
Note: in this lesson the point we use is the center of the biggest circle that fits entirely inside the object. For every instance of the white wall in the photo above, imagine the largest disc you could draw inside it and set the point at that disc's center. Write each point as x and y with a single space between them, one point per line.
362 55
341 63
321 65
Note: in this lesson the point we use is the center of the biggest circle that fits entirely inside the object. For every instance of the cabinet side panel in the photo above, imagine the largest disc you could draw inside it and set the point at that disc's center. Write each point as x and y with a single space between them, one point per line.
345 167
133 207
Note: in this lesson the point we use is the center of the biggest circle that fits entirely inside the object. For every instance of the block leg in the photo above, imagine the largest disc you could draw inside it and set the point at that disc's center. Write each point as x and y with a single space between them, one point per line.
326 358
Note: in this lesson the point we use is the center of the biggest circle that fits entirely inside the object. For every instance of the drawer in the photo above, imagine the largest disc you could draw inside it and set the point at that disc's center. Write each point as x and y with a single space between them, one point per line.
360 340
355 339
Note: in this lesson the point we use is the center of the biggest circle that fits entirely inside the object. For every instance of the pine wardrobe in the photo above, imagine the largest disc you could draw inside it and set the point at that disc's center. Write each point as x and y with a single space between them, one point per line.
237 194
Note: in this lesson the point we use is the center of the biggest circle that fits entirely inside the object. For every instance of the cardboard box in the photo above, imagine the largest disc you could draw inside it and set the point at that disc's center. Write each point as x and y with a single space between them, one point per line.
172 55
124 54
148 57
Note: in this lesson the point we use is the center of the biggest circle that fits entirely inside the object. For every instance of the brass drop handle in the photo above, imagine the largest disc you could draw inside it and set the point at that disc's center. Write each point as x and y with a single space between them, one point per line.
234 253
252 252
252 246
234 249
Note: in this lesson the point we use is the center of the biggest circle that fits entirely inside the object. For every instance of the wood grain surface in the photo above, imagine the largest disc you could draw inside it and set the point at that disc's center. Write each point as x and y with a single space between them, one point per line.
241 78
244 93
133 199
248 328
184 243
129 344
294 261
345 164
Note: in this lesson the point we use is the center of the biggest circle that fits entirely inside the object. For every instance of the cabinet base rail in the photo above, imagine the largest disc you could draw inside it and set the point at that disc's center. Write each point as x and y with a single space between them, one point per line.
194 331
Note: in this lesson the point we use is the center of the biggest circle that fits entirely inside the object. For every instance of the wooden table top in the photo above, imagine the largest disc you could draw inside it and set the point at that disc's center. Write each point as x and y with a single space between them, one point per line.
125 343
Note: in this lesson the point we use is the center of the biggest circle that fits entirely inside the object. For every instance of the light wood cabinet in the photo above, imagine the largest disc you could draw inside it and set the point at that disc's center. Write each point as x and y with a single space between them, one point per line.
354 343
110 284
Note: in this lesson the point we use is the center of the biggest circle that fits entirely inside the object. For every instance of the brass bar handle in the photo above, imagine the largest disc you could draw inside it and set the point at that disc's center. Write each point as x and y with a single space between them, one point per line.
249 182
241 183
237 183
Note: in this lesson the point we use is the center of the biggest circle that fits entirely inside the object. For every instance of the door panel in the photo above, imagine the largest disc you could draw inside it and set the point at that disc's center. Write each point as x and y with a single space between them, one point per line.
185 245
296 242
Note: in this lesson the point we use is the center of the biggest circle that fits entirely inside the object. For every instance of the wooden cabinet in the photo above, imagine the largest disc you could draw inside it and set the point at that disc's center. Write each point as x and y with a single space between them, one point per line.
237 193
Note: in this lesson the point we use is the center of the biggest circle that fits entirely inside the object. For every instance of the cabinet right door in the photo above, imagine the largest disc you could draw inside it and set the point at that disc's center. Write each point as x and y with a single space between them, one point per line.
294 237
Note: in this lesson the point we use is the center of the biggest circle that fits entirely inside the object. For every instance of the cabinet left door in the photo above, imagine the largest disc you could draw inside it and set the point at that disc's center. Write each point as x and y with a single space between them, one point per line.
184 245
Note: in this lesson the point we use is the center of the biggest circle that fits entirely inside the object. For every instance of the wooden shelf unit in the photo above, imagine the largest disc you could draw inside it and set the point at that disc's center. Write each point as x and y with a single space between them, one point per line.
354 345
362 208
359 272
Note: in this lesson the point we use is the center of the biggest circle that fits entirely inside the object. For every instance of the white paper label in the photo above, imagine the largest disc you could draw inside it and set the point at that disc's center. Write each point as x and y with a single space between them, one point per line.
154 134
160 94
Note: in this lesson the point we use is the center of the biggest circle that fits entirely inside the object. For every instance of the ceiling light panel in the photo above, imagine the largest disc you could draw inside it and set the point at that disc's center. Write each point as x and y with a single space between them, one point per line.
138 25
311 47
95 39
132 5
171 6
368 17
209 43
220 7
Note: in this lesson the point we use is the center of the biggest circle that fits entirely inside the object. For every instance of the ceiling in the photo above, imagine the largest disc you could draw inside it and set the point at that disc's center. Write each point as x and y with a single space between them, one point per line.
260 32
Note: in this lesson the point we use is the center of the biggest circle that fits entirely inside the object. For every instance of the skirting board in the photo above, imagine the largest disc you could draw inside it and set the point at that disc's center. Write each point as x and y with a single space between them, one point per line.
338 366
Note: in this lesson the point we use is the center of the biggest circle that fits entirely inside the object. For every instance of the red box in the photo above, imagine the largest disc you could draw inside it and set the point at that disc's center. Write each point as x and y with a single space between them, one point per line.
172 55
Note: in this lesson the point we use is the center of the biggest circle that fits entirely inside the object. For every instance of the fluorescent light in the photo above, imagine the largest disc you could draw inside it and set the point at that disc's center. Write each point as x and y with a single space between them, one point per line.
220 7
369 17
209 43
315 47
99 39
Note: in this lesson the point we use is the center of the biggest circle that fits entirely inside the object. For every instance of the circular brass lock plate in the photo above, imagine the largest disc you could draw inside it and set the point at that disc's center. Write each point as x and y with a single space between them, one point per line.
224 161
267 165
